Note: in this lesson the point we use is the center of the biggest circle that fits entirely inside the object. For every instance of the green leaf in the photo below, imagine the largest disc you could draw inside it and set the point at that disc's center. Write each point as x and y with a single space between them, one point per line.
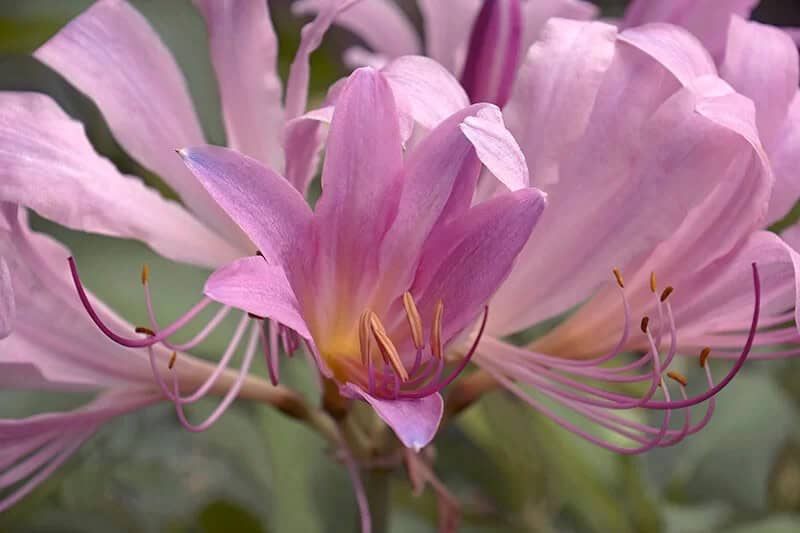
775 524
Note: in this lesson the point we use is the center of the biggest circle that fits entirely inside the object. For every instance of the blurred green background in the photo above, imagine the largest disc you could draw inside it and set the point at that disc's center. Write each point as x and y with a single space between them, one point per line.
258 471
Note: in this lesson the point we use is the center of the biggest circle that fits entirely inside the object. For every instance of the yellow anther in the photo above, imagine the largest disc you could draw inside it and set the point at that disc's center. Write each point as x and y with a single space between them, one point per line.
436 329
666 293
653 285
620 281
678 377
172 360
145 330
363 336
704 356
145 273
645 323
414 320
387 348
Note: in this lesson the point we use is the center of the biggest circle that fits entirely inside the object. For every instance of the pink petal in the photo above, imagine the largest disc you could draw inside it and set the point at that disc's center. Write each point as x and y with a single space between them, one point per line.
244 53
447 25
496 147
380 23
7 307
707 19
48 164
424 90
555 92
363 161
466 260
537 14
414 421
785 157
634 184
253 285
267 208
761 62
677 50
111 54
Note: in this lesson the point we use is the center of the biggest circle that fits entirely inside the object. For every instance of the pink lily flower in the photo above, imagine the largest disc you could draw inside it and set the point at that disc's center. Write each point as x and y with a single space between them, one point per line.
49 345
391 265
678 188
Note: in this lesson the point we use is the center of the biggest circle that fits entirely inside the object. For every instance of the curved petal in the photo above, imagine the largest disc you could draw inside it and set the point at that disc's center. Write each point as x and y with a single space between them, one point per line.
267 208
415 422
380 23
707 19
677 50
466 260
761 62
253 285
555 92
48 164
7 306
424 89
244 52
496 147
111 54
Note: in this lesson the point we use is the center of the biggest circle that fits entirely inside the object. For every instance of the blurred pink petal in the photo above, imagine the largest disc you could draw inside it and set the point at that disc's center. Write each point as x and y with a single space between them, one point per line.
111 54
244 52
707 19
494 51
47 164
381 23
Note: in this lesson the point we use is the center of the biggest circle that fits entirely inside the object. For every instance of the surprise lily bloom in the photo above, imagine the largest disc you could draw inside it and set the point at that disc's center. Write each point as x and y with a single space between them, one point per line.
647 148
675 191
50 345
392 264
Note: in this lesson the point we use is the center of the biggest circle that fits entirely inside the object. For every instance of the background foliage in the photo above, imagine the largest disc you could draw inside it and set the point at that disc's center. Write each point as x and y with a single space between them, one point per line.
256 471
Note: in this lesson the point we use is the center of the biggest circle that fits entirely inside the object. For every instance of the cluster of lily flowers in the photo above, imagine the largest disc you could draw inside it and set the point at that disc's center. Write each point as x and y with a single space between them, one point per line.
526 163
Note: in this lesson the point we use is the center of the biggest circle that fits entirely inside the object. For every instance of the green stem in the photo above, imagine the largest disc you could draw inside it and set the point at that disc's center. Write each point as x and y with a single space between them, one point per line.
377 483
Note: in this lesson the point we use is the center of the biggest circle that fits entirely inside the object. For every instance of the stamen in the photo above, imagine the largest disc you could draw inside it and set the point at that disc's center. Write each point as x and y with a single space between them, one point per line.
145 274
678 377
436 329
704 356
172 360
645 323
124 341
414 320
620 281
363 336
666 293
386 346
653 285
145 330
